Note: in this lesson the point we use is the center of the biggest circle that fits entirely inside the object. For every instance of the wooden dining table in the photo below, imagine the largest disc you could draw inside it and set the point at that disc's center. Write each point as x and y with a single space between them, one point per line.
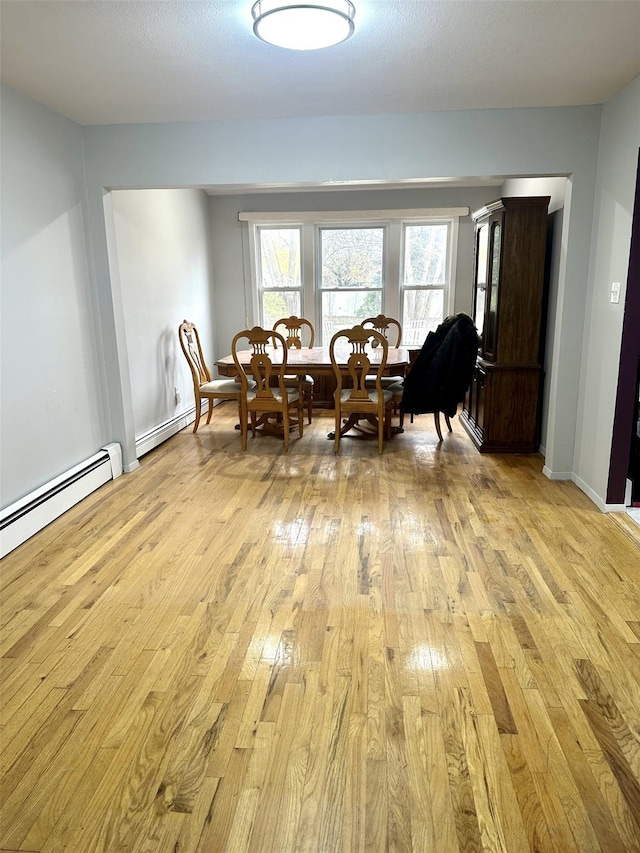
317 362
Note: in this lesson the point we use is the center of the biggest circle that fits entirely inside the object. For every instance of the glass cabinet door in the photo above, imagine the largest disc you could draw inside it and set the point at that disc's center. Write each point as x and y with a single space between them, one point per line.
480 284
495 245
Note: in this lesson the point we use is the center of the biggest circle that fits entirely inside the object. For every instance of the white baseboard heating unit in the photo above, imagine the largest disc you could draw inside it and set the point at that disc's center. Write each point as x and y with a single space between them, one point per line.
24 518
151 439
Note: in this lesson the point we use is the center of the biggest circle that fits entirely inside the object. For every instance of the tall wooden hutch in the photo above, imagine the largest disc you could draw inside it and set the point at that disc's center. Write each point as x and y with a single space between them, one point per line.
501 408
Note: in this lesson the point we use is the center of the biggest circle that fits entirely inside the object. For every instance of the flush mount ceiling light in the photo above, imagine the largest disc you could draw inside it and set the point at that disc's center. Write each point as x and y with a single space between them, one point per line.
303 26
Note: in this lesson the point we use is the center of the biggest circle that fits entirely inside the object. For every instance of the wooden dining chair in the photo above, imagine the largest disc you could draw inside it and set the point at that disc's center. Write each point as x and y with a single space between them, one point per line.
352 397
204 387
296 328
279 405
391 329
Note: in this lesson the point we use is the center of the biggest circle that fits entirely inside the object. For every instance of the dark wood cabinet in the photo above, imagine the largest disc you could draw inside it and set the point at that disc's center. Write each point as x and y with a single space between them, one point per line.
501 408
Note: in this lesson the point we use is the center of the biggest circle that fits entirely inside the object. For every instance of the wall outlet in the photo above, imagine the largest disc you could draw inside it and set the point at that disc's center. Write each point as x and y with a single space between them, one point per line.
178 396
615 291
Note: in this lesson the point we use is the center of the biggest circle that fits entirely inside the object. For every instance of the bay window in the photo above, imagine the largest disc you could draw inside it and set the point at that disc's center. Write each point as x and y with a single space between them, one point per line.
337 268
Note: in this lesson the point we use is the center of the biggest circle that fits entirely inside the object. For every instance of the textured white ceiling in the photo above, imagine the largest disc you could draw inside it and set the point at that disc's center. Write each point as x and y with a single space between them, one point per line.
130 61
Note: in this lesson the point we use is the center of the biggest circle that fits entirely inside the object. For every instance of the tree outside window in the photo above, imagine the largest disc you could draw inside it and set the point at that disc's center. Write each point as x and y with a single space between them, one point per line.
280 279
351 276
424 280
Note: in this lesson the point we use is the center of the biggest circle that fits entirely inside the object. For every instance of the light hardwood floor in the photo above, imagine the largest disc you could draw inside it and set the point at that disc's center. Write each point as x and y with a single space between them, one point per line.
428 650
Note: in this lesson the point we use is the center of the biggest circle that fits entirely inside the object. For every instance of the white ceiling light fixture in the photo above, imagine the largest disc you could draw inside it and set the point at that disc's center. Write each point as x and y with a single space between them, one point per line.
303 26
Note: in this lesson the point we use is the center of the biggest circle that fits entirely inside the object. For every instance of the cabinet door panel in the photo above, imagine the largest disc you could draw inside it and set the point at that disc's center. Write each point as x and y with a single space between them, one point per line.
481 276
491 332
481 382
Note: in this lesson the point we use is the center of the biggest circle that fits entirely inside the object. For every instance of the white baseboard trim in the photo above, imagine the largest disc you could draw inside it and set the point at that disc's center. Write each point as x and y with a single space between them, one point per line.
589 492
602 506
556 475
22 519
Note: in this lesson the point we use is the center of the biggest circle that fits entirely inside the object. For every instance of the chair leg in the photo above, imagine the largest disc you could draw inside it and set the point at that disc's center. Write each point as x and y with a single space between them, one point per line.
244 425
336 440
436 418
285 427
209 410
448 423
309 405
197 421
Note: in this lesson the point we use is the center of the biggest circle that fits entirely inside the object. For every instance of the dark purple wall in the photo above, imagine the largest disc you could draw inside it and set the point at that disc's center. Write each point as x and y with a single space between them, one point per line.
627 376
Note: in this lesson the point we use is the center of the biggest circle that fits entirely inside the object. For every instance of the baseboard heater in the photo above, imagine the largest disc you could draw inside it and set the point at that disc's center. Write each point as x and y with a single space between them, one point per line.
151 439
24 518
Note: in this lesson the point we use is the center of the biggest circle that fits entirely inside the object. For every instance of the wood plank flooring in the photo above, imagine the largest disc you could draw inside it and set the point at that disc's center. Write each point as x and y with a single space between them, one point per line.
428 650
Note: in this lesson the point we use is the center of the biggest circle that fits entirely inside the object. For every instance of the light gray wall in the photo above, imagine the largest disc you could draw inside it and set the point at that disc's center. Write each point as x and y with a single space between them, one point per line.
528 142
52 413
551 186
609 262
554 263
227 235
162 242
45 187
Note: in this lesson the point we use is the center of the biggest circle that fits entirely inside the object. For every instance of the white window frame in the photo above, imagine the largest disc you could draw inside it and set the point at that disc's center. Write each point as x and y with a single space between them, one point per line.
256 252
310 223
319 290
448 286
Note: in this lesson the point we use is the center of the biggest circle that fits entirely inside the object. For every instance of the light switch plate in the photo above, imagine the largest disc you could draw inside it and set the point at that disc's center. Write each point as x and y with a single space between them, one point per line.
615 291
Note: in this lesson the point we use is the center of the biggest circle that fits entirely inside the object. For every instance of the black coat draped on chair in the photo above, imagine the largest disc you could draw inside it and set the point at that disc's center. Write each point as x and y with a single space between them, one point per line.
442 372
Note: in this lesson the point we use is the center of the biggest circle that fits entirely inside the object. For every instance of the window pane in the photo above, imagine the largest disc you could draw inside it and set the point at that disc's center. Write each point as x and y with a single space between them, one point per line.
351 257
279 304
423 312
280 257
343 310
425 254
